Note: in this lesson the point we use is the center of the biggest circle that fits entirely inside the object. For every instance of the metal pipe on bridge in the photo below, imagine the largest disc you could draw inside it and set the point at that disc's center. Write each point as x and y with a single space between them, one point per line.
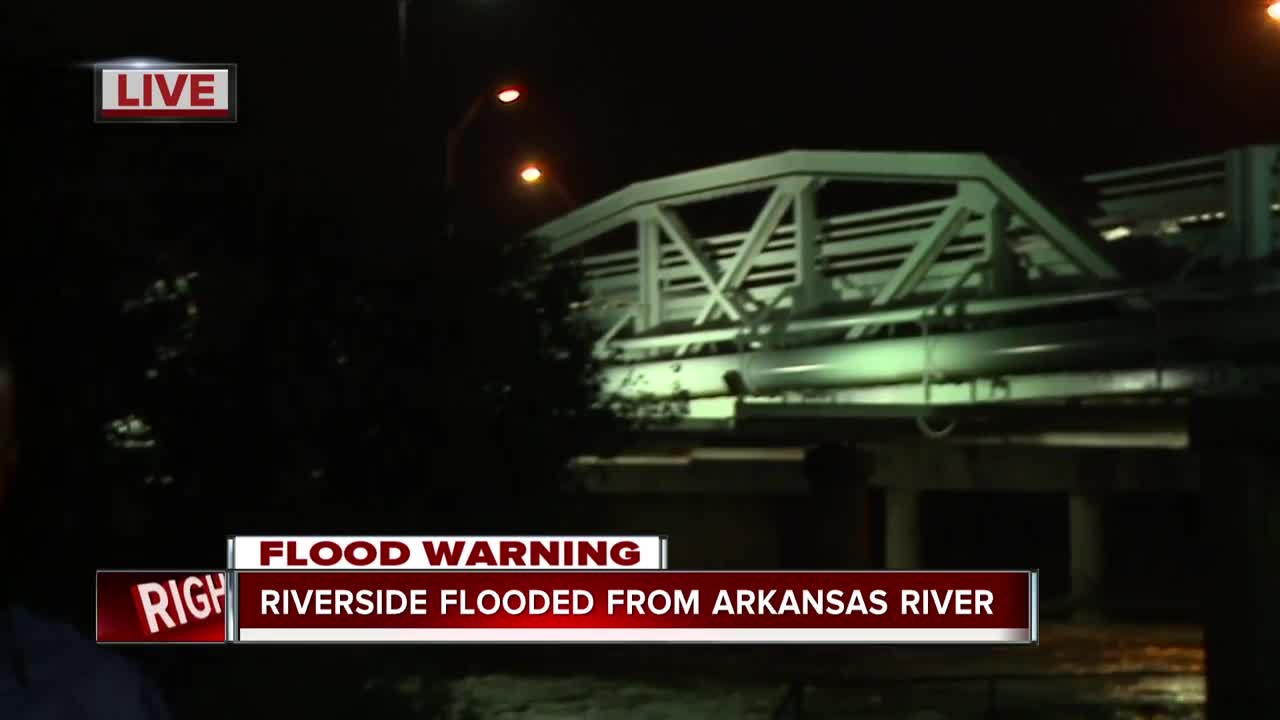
1134 340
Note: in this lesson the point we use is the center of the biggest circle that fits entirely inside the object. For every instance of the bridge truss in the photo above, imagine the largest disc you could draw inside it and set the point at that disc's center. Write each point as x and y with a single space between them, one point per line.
848 284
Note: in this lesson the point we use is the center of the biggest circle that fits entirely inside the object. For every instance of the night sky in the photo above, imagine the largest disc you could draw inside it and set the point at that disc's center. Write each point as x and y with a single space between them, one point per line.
620 92
626 94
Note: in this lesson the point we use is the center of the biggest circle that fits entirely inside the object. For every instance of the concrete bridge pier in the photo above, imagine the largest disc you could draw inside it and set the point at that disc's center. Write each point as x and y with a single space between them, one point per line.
1241 495
901 528
1085 529
1242 627
830 527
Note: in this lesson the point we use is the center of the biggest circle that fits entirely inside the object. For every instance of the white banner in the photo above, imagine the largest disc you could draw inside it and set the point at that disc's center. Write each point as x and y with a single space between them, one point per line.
763 636
458 552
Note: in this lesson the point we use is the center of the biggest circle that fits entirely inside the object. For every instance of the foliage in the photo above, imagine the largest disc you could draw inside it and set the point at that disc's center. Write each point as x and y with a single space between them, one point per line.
353 383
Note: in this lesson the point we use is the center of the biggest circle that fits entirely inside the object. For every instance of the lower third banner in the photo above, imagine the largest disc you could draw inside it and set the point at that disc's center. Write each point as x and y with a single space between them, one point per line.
161 607
637 607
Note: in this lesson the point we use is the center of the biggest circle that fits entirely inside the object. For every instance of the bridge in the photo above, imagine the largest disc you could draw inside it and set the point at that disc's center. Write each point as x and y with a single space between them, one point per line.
982 293
956 320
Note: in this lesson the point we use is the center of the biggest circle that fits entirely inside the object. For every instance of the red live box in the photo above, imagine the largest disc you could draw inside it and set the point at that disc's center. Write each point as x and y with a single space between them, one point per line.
162 606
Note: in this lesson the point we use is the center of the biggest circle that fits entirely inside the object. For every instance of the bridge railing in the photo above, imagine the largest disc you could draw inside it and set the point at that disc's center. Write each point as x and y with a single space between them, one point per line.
1190 191
859 253
1216 206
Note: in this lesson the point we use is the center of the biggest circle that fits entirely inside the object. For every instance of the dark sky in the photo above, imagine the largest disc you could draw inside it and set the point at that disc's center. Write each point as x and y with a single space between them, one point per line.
630 91
622 91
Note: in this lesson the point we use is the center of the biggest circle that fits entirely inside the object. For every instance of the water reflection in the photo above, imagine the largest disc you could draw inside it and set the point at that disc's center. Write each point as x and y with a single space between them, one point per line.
1095 672
1176 690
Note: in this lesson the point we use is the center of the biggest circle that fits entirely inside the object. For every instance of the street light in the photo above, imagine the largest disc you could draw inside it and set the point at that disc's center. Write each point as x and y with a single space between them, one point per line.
531 174
505 95
1273 10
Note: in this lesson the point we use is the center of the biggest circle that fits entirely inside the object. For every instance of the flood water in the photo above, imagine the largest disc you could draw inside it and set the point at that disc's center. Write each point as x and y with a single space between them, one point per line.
1096 672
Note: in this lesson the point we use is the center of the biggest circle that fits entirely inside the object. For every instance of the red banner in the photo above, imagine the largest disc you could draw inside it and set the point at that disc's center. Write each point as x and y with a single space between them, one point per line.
637 606
149 606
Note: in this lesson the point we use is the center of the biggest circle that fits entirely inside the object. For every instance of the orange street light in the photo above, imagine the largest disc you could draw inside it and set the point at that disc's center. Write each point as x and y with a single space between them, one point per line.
533 175
508 95
1274 11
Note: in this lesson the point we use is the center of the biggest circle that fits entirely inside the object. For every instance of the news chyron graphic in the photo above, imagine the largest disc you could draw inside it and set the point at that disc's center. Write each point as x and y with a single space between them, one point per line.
149 92
180 607
546 589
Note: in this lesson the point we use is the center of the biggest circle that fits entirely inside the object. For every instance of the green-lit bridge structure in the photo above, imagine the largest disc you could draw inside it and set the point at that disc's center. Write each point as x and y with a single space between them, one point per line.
1027 344
977 291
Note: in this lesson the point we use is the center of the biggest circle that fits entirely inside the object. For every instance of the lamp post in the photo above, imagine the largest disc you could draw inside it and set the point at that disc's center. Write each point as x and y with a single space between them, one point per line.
402 27
506 95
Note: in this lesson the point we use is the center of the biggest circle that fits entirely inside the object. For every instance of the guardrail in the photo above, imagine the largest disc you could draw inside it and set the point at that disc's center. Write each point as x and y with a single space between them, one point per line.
1192 198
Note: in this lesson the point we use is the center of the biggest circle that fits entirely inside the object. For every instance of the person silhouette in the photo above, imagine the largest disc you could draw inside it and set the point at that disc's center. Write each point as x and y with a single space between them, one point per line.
49 670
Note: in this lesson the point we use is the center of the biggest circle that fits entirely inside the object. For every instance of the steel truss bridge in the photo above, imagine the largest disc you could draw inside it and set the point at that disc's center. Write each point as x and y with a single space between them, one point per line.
826 284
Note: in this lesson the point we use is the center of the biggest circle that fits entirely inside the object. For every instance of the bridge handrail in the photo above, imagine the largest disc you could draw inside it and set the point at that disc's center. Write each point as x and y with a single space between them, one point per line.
786 231
1167 195
838 236
1110 176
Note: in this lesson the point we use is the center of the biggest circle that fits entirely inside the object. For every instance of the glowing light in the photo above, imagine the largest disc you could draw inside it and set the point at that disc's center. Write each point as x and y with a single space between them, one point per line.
507 96
1274 11
531 174
798 368
1030 349
123 62
1117 233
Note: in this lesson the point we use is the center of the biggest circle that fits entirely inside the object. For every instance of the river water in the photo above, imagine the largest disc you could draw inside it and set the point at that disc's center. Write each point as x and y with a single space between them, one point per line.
1078 672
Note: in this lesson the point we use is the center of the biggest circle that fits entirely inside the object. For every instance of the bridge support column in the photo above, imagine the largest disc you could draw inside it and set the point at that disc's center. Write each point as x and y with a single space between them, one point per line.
830 528
1250 192
1087 560
901 528
1241 497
